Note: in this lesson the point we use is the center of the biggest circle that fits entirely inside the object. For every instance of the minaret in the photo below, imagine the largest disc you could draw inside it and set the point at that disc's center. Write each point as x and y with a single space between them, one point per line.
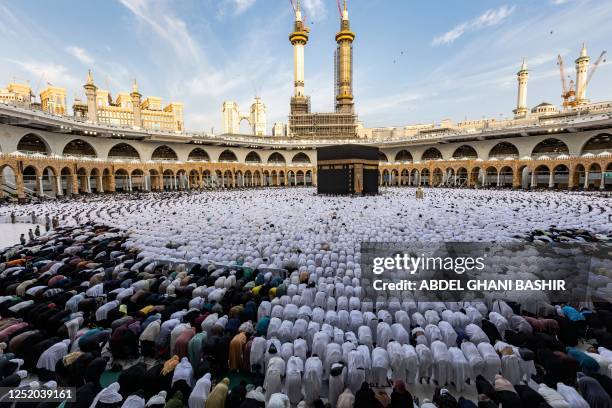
582 69
299 39
258 117
90 93
521 101
344 65
136 105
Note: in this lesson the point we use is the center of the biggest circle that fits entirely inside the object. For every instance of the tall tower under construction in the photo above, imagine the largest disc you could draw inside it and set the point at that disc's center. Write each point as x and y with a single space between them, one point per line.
300 103
342 122
344 65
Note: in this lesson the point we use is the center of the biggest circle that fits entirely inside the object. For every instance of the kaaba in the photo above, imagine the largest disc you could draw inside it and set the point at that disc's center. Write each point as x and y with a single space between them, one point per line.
347 169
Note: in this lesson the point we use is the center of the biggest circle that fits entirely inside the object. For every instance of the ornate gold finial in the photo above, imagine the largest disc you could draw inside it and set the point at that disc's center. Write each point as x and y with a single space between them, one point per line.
345 8
583 52
135 86
89 77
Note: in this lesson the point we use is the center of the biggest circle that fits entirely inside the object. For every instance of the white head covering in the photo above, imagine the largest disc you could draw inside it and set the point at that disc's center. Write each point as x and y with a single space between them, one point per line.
108 395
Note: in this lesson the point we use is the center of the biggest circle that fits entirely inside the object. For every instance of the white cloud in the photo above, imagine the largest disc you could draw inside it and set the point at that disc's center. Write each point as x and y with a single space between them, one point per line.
81 54
48 72
168 27
314 9
489 18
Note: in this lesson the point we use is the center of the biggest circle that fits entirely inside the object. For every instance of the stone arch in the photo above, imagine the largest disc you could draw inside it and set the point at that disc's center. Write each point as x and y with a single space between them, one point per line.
290 178
490 176
595 175
300 157
598 144
550 147
239 179
403 156
49 181
415 177
79 148
252 157
228 179
437 177
206 178
198 155
257 178
169 180
137 180
299 178
67 182
404 177
431 154
308 178
164 153
561 176
248 178
194 179
541 176
506 176
82 177
503 150
465 152
123 151
382 157
276 158
32 143
424 178
30 178
228 156
461 176
122 180
476 176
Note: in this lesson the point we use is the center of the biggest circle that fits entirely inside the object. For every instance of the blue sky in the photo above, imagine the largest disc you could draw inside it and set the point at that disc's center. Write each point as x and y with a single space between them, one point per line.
415 61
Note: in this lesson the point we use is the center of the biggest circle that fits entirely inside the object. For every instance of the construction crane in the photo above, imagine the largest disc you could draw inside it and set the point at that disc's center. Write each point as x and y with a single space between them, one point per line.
568 92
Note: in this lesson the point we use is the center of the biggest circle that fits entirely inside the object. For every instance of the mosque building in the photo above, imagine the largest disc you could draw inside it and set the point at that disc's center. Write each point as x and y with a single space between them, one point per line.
134 143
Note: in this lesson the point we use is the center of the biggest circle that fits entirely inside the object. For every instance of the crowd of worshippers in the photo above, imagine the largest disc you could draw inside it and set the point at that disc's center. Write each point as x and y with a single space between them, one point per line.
75 303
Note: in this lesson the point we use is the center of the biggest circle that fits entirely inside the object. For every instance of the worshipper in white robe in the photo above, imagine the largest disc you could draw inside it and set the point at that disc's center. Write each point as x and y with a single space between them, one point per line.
199 393
365 336
366 357
313 376
571 395
333 354
400 334
183 371
257 357
275 371
396 361
133 401
380 366
500 322
473 358
433 333
492 362
286 351
383 334
49 358
293 379
418 334
442 363
449 335
411 363
510 362
300 348
461 369
425 363
108 395
356 370
347 347
273 349
278 400
552 397
476 334
337 380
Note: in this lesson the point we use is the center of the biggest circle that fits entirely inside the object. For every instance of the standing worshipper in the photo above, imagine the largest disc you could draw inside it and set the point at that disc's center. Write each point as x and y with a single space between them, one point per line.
31 234
22 239
293 379
47 223
13 218
199 394
217 397
313 375
235 351
37 231
33 215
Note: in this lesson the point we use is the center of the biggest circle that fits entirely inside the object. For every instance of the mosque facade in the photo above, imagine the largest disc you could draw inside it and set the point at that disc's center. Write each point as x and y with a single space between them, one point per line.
134 144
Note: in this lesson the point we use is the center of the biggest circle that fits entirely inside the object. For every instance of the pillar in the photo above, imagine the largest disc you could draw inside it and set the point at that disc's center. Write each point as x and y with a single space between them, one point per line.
586 179
129 180
175 182
100 184
602 185
551 179
88 184
146 182
1 186
75 184
60 190
498 178
20 187
41 190
533 179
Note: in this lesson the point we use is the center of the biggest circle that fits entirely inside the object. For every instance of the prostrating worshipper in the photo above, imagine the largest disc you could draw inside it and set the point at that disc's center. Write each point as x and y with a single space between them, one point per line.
199 393
313 378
